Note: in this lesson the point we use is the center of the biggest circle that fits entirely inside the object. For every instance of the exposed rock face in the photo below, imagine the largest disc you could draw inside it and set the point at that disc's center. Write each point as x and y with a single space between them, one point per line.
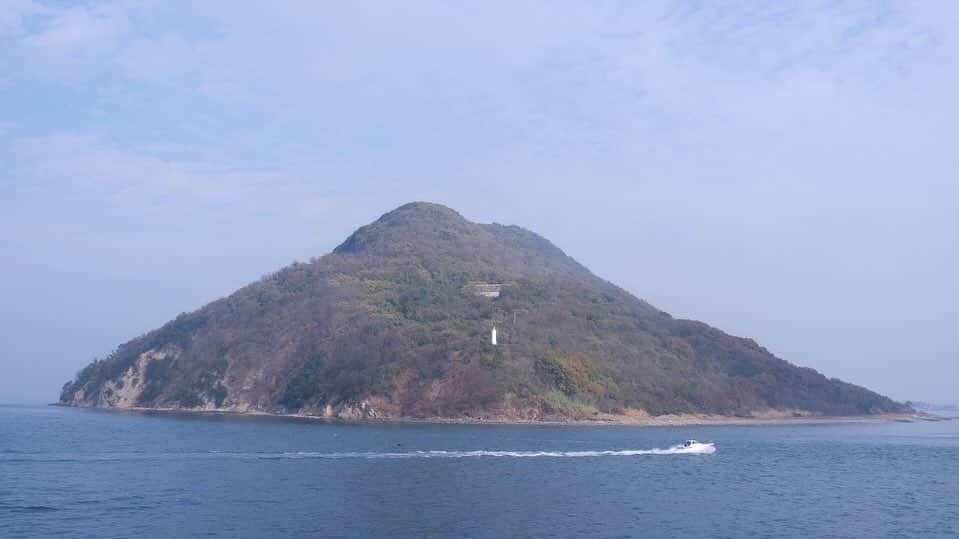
397 320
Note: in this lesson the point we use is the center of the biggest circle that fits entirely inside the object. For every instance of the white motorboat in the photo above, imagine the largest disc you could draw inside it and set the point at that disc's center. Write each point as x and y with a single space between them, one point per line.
694 446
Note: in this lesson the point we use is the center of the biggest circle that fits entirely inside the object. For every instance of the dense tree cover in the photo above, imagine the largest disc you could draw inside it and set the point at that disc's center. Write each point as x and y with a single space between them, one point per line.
389 317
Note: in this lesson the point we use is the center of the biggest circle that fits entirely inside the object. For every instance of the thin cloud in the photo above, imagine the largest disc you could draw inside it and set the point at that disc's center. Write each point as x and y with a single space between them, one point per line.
739 160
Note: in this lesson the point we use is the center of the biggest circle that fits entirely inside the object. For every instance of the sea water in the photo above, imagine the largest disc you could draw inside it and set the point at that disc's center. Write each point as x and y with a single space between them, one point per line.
86 473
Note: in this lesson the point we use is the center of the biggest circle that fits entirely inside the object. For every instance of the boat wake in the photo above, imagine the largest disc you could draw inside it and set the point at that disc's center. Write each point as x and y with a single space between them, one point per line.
702 449
695 449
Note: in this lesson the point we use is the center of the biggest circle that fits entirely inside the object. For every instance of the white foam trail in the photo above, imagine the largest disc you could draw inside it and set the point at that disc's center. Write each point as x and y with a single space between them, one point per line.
699 449
695 449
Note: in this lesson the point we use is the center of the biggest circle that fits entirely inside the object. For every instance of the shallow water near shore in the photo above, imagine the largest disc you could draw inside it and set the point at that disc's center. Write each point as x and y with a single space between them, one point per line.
85 473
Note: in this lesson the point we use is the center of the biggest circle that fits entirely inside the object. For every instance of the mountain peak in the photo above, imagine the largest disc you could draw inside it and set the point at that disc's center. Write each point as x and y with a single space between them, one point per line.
412 224
423 210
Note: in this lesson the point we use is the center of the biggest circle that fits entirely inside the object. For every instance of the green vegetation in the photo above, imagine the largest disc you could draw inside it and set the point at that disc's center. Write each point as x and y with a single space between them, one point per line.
389 317
571 374
557 402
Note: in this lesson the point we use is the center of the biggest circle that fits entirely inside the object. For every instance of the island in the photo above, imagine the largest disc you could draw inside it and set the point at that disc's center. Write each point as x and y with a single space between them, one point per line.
424 315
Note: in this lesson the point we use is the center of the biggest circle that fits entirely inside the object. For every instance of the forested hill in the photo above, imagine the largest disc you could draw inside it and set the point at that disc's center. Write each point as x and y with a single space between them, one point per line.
397 321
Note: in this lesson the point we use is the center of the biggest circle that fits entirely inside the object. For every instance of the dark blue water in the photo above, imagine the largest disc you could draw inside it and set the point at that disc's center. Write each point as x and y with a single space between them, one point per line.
81 473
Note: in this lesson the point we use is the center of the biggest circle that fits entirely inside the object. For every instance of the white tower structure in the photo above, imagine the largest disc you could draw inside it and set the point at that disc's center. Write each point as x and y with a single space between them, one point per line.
493 336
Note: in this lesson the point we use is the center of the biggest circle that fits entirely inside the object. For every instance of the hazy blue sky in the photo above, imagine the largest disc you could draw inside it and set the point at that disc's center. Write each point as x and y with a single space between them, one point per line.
787 171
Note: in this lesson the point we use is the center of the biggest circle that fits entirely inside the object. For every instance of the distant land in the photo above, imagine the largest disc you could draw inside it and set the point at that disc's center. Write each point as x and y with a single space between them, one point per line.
398 322
942 410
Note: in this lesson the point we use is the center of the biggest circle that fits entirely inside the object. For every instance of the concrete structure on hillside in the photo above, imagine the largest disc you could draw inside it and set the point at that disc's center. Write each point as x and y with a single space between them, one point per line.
487 290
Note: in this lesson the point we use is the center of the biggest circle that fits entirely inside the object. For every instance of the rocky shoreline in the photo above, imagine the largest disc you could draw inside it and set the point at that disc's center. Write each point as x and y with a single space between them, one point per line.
701 420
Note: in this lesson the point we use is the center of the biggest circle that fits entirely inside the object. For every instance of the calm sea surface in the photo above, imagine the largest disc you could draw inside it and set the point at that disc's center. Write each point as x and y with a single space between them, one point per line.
83 473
